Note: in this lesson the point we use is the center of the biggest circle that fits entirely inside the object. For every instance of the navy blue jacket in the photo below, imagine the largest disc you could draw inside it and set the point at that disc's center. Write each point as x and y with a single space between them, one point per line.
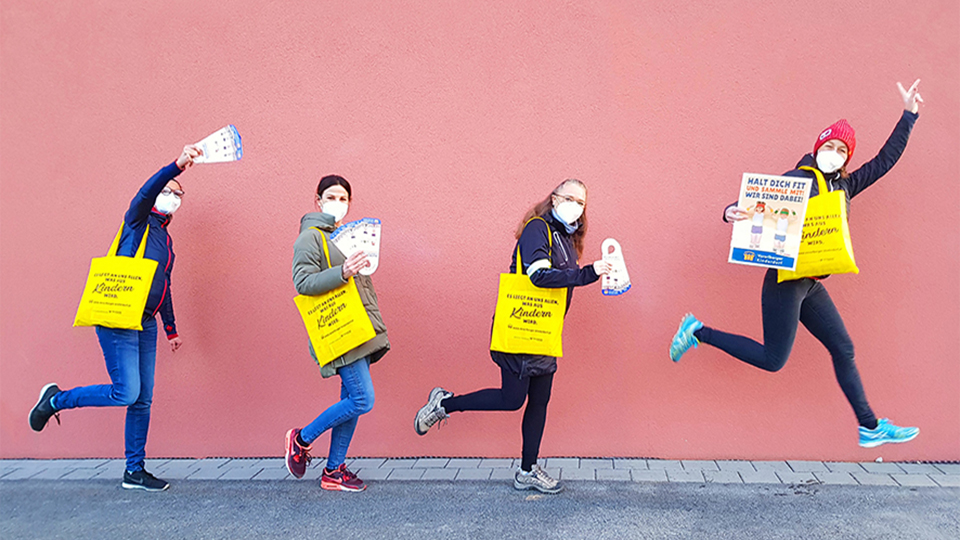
534 245
159 245
565 272
868 173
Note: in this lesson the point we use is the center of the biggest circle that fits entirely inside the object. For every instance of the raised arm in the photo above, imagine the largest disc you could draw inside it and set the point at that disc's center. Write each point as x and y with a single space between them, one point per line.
891 151
144 200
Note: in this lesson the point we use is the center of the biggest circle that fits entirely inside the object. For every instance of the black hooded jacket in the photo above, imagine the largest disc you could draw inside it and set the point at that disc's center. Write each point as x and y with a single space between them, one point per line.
564 272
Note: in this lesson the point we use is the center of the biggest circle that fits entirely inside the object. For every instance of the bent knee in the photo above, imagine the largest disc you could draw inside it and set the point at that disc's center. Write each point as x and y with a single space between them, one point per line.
775 364
843 351
364 404
124 397
513 403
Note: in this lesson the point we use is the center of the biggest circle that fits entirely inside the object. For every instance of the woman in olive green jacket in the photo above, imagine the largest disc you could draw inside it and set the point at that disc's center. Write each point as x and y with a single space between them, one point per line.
313 276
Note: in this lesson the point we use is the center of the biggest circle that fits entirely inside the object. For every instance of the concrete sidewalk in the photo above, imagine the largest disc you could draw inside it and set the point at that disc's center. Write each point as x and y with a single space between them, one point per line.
931 475
420 510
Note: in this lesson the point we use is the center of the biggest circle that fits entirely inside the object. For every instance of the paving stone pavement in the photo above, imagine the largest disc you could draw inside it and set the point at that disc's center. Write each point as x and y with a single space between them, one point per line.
908 475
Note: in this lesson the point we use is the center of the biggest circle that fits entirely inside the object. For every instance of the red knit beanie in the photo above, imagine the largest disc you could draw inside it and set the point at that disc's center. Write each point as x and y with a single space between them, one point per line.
839 130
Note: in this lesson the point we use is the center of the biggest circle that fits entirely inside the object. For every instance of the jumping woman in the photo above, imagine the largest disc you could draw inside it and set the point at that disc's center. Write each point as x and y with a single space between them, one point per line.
806 300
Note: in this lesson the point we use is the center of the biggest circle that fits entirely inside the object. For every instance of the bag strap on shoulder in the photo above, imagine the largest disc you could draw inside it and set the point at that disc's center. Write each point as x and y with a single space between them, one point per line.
549 240
116 243
821 183
326 250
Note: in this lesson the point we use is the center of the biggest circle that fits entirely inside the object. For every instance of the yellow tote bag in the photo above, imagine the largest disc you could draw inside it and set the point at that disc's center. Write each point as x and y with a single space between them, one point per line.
825 247
336 320
117 288
528 319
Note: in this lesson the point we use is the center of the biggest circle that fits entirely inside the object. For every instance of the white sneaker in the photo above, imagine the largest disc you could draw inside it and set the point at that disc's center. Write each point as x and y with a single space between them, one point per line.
432 412
536 479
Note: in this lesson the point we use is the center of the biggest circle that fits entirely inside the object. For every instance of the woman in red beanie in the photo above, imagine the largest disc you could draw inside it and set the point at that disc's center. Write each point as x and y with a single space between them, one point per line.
806 300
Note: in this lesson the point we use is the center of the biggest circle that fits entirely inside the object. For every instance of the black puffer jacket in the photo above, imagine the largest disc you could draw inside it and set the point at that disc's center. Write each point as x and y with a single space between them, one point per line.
868 173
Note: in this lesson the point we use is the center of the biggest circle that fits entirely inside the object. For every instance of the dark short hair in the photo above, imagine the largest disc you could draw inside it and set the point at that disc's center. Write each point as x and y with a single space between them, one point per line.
333 180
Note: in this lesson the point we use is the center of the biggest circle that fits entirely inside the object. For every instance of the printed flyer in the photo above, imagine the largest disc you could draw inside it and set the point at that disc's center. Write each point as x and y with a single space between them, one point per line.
775 207
360 235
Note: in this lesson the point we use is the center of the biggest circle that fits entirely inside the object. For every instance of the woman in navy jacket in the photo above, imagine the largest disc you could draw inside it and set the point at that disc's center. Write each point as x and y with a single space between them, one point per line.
131 355
806 300
526 377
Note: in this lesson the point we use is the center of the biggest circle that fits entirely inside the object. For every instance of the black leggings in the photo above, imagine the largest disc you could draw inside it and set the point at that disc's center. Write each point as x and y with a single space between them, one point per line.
784 305
510 397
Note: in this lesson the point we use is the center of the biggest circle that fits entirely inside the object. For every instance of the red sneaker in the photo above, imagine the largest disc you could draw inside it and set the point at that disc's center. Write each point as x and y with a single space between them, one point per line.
298 457
341 480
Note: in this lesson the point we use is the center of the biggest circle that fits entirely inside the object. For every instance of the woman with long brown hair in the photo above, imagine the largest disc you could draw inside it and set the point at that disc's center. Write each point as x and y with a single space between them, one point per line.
550 243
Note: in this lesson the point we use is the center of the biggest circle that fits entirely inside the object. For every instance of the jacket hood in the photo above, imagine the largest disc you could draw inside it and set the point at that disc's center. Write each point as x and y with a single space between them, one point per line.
807 161
319 220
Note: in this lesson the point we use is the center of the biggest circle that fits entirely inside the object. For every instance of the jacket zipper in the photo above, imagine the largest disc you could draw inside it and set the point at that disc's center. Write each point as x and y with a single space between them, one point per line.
162 296
563 250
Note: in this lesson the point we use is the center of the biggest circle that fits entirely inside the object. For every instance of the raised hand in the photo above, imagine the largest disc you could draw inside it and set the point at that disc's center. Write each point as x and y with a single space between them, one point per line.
190 152
911 97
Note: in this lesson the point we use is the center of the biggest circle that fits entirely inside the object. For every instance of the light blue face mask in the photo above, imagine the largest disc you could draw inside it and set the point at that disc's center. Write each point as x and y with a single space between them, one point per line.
571 228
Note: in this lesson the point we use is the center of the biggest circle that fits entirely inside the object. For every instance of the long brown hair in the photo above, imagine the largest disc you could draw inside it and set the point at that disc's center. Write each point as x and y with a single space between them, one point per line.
544 206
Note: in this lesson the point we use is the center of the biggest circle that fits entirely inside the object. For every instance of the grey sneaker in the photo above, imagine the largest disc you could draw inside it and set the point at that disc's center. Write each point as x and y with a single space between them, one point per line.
432 412
536 479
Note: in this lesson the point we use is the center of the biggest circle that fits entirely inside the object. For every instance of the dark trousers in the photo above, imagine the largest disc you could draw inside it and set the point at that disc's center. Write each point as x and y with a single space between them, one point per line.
784 305
510 396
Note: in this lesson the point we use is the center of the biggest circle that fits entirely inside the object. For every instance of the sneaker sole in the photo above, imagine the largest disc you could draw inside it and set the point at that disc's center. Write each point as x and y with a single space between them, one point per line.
680 331
416 419
286 453
874 444
524 487
341 487
39 400
125 485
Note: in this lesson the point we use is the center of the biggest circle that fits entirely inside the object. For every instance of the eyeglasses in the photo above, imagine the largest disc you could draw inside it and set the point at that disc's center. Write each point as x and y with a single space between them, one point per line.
168 191
568 198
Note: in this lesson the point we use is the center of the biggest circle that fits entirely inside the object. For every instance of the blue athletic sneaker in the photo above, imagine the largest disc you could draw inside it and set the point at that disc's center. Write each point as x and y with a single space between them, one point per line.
886 432
684 338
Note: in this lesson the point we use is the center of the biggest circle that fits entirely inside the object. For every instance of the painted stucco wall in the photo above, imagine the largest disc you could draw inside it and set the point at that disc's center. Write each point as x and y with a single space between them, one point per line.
451 119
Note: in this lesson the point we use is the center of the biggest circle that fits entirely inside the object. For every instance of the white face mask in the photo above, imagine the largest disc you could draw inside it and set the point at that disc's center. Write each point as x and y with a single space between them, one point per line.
167 203
336 209
829 161
569 211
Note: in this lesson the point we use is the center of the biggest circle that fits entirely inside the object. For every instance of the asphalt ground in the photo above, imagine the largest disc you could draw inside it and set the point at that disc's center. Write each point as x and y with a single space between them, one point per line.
100 509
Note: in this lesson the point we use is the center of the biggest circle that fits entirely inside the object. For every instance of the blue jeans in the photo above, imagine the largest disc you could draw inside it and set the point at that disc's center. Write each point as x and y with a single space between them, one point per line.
131 358
356 398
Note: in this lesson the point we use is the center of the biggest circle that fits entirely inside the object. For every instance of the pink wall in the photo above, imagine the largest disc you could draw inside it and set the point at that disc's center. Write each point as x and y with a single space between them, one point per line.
450 120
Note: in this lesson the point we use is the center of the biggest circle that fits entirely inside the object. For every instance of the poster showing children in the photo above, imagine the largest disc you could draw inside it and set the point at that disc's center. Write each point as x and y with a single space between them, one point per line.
775 206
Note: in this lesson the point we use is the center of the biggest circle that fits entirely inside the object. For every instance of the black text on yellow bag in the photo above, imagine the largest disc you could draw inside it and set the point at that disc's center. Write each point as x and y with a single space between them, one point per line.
825 247
117 288
528 319
336 320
